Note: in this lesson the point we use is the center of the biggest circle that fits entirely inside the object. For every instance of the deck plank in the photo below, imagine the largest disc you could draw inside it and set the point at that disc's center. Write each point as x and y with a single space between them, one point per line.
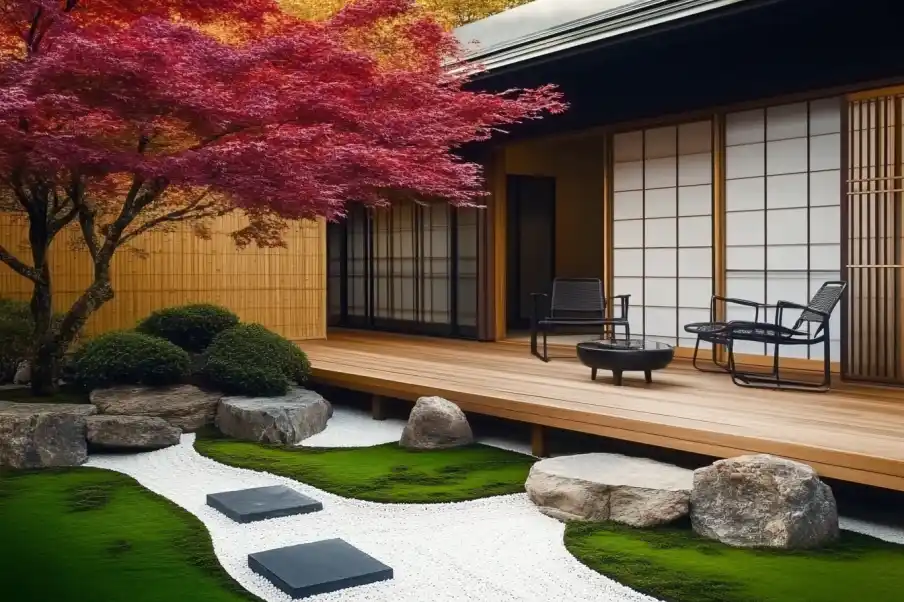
853 433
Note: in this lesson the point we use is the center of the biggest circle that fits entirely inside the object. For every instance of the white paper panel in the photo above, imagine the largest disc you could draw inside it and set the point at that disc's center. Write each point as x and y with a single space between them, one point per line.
674 179
783 203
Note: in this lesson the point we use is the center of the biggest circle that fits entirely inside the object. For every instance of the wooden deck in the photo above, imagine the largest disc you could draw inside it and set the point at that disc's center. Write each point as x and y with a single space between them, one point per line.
852 433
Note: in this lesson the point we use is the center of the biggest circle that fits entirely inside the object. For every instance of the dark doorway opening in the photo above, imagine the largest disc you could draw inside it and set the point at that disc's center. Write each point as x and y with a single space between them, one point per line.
531 244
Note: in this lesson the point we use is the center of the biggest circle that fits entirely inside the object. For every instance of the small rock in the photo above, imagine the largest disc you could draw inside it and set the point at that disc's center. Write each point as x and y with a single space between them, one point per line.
287 420
184 406
762 501
130 433
43 435
436 423
23 373
598 487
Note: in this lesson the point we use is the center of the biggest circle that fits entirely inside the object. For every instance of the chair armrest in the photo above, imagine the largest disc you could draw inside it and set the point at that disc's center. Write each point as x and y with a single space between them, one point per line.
535 308
624 304
738 301
791 305
744 302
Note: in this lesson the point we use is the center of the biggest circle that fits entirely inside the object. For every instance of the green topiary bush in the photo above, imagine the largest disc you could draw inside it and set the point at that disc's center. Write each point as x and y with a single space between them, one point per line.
250 360
129 358
191 327
16 327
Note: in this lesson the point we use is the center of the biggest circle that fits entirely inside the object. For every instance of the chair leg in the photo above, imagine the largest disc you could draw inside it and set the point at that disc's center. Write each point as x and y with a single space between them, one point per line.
773 379
545 356
694 358
533 342
721 369
827 363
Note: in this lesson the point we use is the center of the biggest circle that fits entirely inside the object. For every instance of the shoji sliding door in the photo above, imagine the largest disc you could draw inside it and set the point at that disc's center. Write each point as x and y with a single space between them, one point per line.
408 268
663 227
783 198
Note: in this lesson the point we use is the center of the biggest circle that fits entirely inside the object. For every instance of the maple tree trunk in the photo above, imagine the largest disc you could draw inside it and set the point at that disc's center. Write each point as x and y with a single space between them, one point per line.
44 362
45 357
51 346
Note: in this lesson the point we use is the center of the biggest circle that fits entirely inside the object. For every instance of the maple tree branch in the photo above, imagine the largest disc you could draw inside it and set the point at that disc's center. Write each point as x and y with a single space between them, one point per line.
85 213
15 183
19 266
33 29
60 221
194 210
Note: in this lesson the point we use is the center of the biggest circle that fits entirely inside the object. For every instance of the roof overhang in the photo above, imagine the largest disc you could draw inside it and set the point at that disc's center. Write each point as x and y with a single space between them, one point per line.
591 30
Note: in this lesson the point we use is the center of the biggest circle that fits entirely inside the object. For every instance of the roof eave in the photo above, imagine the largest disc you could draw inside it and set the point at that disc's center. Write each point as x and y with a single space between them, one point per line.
610 24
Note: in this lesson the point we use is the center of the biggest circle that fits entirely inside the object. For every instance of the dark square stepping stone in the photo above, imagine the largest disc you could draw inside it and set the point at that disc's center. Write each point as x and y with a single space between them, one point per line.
260 503
318 568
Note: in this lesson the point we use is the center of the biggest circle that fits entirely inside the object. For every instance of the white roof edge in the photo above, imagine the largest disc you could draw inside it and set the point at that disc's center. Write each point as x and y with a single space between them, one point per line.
607 24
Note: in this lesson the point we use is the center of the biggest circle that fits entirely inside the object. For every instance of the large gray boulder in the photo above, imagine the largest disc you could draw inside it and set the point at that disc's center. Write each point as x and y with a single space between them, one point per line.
436 423
184 406
762 501
601 487
130 433
43 435
286 420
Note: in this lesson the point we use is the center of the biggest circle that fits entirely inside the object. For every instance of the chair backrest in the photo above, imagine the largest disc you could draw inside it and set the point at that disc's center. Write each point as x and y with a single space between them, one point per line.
577 298
825 300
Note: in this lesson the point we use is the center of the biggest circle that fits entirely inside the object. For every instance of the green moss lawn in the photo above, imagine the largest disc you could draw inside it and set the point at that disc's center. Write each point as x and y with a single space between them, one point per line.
383 473
674 565
88 535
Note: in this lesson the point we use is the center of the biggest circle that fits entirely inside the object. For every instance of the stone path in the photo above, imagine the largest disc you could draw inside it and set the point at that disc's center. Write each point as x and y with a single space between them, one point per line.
500 549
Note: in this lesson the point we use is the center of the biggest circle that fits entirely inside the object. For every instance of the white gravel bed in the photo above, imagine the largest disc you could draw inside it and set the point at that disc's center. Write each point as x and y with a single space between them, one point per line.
497 549
883 532
351 427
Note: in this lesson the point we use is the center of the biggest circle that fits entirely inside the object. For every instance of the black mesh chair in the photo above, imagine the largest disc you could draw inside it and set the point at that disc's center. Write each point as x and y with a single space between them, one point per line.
576 303
817 312
714 332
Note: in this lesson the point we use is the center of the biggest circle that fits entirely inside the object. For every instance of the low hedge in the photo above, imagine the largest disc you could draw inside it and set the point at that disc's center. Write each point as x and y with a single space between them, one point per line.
191 327
250 360
129 358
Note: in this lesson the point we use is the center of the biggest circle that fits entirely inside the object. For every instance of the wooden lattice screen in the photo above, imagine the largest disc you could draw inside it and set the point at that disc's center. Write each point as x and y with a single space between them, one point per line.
872 239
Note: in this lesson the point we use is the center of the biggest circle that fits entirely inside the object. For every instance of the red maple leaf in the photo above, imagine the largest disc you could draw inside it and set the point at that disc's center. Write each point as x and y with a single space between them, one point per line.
122 116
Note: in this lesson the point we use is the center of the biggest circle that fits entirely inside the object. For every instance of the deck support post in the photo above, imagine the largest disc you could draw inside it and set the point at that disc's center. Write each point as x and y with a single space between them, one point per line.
378 407
538 440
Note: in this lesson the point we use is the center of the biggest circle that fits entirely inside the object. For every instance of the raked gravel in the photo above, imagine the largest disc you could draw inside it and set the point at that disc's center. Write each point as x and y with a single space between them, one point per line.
497 549
351 427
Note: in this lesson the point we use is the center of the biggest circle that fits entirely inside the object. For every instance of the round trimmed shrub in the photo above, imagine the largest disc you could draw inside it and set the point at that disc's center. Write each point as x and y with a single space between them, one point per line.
250 360
191 327
129 358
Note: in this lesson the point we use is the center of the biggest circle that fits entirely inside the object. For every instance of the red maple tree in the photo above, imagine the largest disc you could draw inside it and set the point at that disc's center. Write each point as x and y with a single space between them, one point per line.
118 117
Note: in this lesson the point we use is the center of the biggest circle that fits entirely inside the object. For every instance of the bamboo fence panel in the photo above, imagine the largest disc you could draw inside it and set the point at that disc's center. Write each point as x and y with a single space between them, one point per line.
283 289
